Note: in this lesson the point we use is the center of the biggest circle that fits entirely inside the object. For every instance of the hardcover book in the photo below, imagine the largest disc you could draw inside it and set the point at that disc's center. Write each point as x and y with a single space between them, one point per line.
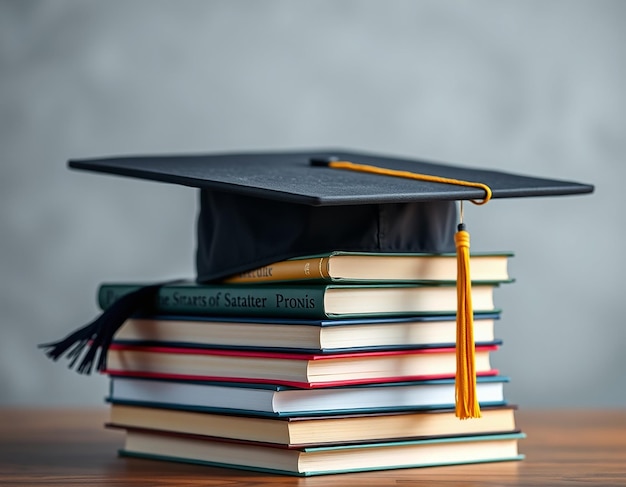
279 400
320 460
297 369
375 267
306 335
302 301
296 432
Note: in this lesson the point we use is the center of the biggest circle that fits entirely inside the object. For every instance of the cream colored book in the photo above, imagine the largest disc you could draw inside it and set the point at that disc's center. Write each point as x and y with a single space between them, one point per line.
314 430
371 267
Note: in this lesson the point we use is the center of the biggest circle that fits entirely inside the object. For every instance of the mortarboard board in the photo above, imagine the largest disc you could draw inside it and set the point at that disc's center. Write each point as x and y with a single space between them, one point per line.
257 208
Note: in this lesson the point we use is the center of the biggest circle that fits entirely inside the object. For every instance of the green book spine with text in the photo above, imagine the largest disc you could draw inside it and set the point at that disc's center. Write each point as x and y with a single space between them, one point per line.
189 298
299 301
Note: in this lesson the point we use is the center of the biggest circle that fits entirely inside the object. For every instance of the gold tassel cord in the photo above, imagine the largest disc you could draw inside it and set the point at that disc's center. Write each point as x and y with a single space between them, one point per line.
413 175
467 405
465 384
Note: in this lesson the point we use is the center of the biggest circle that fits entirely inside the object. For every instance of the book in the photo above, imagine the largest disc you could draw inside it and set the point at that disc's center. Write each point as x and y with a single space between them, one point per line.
337 335
290 368
320 460
314 430
362 266
302 301
279 400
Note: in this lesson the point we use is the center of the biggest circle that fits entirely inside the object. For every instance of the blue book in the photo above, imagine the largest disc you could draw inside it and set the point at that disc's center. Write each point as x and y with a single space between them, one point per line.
278 400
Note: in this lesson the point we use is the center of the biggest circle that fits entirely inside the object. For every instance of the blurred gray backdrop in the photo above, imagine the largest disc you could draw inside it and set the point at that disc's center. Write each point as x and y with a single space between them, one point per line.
535 87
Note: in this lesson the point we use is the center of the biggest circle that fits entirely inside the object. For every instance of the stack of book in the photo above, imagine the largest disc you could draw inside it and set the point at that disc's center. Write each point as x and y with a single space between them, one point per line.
324 364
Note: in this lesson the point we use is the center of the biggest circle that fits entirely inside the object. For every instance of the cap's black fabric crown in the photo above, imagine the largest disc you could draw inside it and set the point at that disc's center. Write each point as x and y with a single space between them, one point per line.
238 233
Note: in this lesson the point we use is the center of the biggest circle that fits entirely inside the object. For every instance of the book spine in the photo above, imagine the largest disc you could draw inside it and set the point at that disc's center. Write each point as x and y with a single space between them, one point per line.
315 268
288 302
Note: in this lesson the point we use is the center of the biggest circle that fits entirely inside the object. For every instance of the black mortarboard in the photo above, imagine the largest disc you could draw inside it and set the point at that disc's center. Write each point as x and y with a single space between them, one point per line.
262 207
259 208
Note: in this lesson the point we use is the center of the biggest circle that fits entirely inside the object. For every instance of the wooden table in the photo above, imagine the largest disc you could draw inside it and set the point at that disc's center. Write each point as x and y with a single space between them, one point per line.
70 447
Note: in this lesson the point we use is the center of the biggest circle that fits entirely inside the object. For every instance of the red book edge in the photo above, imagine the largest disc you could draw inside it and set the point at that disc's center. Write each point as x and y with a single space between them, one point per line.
299 385
284 355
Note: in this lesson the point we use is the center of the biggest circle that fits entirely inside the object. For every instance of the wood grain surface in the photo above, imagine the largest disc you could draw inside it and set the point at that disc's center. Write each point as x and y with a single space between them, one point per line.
71 447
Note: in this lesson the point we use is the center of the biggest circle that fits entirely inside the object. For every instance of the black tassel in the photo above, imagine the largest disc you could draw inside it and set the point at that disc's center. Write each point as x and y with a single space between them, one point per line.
98 334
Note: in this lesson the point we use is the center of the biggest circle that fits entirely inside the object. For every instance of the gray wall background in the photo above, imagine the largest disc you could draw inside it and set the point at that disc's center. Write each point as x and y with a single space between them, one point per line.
534 87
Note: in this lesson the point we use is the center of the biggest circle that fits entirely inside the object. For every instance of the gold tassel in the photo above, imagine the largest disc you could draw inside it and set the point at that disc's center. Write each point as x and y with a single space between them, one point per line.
465 384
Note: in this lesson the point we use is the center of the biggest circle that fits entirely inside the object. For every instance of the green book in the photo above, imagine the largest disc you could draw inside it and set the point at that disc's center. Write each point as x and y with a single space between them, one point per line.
322 459
302 301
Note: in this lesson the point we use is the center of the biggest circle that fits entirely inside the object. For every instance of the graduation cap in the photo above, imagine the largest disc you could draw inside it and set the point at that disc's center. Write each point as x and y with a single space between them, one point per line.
257 208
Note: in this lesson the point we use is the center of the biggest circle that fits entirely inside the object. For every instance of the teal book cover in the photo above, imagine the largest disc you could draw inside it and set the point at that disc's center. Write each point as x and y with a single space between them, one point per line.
324 460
